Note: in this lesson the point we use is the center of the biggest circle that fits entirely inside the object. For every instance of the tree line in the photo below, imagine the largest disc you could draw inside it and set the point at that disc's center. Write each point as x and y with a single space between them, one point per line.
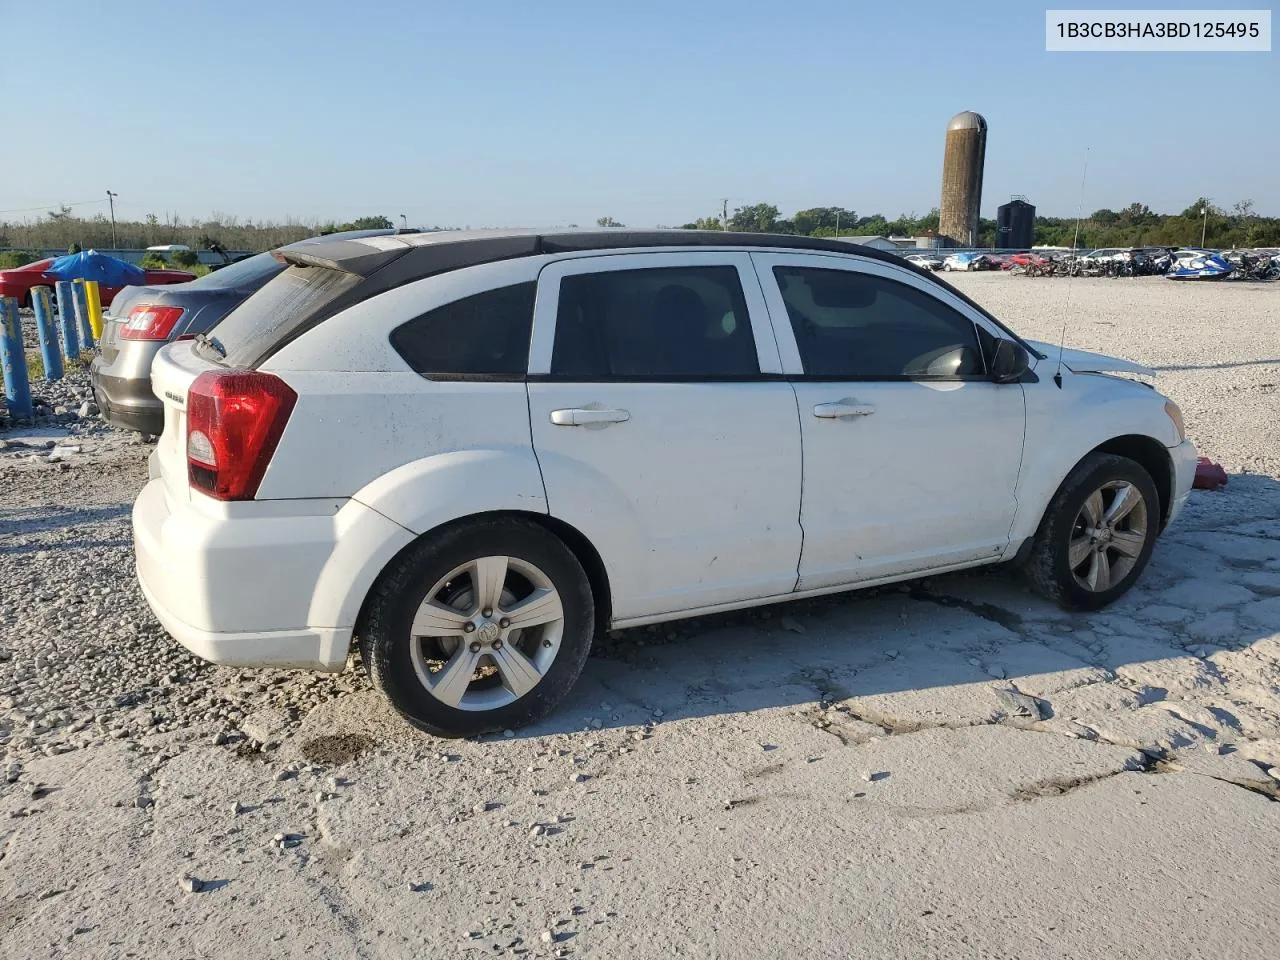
1134 225
59 229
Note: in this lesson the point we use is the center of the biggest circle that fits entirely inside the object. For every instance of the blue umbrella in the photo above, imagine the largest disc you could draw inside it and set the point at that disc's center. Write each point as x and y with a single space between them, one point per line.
91 265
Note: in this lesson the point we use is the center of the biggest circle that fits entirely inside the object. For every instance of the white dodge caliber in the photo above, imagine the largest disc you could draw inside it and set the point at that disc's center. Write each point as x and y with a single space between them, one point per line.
468 452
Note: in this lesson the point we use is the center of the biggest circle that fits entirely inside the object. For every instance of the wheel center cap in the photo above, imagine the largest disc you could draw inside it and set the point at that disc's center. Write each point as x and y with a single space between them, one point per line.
488 632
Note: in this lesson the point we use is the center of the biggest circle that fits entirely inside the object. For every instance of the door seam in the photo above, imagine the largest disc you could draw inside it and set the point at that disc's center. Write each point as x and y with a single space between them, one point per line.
1017 480
800 515
542 477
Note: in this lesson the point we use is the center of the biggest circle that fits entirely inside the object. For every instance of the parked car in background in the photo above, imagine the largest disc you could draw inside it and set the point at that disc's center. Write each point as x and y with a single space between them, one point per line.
1101 255
1026 258
965 261
473 450
143 319
925 261
19 281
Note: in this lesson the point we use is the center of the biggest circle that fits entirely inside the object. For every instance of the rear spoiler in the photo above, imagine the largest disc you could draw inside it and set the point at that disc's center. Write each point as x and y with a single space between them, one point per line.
348 256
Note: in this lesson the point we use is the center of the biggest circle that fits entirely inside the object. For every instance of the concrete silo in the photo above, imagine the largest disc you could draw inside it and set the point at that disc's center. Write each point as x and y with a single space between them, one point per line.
962 178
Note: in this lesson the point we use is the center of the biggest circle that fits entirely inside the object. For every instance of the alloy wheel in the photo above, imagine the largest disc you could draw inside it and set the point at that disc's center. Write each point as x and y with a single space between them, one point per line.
1108 536
486 633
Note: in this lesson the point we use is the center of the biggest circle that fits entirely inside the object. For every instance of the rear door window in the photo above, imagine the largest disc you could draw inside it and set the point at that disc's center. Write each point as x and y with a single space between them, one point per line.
485 336
279 309
659 323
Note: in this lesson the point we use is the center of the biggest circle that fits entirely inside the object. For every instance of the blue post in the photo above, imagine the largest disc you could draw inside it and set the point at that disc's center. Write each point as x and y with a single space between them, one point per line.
82 316
14 359
67 320
48 335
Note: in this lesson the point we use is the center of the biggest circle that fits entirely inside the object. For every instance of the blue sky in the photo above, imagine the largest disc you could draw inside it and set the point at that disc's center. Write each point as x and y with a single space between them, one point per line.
502 113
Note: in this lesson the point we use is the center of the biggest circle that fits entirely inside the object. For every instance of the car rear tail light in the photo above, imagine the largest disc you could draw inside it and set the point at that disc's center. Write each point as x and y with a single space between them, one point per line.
234 422
148 322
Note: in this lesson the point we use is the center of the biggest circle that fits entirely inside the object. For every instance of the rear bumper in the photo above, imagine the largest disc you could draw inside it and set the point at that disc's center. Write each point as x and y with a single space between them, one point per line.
260 584
127 402
284 649
1184 473
214 585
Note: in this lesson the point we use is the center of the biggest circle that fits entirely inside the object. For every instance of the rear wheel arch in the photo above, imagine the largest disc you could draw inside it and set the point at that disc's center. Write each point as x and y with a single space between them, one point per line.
520 593
582 548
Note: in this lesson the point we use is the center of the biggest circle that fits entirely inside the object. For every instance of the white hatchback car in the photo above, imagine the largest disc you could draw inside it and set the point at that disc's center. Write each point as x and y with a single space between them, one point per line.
469 452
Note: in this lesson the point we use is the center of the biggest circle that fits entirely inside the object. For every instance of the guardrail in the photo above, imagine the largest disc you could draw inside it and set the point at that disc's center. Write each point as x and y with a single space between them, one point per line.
78 327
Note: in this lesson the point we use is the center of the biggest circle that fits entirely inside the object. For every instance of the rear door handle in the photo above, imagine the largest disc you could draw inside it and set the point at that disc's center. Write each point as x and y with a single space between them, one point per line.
842 409
581 416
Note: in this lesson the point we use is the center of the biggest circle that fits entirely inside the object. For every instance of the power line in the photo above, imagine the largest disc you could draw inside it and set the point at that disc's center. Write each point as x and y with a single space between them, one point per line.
46 206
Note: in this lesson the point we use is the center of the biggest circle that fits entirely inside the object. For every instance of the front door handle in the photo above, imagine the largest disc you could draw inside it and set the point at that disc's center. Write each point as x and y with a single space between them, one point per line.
848 407
581 416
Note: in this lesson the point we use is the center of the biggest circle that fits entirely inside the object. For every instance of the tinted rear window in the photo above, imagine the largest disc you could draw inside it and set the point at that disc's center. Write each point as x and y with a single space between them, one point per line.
276 311
656 323
249 272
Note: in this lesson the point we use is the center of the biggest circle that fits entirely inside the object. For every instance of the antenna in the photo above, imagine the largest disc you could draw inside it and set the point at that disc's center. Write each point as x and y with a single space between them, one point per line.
1075 242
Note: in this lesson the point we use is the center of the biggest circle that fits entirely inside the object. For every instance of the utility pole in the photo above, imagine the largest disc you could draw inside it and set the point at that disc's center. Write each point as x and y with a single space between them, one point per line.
837 224
111 199
724 214
1204 227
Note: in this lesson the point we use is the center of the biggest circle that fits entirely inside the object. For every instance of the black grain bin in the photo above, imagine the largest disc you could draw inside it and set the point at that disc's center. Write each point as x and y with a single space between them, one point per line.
1015 224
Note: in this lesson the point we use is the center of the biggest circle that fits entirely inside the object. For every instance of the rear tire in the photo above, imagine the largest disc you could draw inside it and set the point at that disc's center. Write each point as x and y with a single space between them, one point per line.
1097 535
492 677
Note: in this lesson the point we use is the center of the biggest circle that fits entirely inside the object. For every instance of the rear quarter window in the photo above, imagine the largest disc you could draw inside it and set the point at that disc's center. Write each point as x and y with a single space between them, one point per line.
484 336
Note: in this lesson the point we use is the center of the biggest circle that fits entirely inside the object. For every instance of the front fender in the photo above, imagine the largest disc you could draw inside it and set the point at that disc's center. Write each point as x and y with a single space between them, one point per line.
1065 425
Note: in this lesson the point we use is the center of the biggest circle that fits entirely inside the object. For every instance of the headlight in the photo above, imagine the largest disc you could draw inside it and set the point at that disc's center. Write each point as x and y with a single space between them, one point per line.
1175 414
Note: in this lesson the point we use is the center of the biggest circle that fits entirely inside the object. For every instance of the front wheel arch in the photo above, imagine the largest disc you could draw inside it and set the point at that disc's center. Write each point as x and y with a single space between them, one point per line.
1046 565
1152 456
1146 451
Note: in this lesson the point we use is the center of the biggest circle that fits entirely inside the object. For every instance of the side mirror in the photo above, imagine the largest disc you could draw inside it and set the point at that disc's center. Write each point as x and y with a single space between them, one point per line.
1009 362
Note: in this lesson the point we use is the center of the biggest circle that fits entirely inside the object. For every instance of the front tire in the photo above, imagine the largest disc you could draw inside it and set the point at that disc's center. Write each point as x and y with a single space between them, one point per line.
481 626
1097 535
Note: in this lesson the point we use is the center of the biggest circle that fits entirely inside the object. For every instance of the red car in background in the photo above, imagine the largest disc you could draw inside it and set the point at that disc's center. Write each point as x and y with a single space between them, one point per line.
18 281
1026 258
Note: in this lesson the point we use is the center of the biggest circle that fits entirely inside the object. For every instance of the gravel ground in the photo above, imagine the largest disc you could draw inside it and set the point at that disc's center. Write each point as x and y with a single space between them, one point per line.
951 768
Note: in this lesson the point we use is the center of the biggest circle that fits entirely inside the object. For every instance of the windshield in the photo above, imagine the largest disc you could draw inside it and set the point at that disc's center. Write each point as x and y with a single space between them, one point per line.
273 314
250 272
